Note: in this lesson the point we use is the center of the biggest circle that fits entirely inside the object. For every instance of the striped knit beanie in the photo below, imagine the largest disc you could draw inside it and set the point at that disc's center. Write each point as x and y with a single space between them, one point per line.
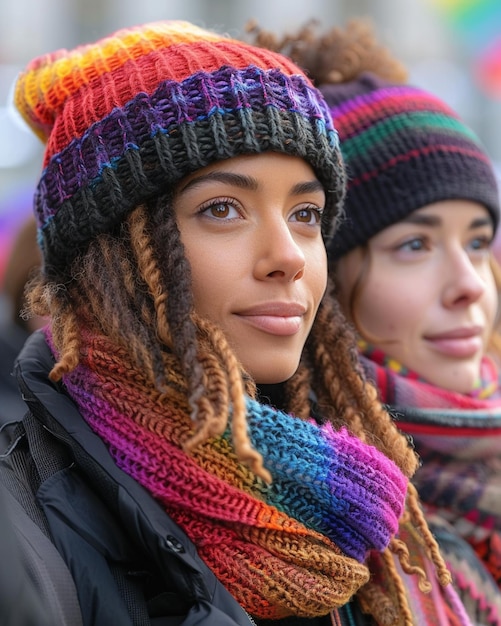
125 118
403 149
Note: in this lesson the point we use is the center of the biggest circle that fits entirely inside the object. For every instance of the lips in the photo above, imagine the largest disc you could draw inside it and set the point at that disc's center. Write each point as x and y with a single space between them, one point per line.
461 342
275 318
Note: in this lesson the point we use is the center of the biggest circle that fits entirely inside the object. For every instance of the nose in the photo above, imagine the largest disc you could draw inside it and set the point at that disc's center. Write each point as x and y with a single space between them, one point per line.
280 257
463 283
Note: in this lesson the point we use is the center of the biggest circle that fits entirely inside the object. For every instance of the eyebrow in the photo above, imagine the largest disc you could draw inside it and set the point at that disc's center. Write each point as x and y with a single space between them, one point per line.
434 220
247 182
311 186
237 180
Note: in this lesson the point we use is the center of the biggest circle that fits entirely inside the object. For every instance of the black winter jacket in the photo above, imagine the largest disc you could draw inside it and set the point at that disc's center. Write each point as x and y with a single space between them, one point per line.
114 537
12 338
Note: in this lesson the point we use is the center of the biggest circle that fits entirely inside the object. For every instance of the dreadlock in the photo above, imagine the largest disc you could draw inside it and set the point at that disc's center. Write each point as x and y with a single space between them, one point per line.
344 396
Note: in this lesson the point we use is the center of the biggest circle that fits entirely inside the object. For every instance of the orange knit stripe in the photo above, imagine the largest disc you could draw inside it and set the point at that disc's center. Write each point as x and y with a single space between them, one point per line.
125 64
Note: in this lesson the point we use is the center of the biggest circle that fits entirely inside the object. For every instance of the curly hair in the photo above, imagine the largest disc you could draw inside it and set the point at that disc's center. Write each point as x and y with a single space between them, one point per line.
336 56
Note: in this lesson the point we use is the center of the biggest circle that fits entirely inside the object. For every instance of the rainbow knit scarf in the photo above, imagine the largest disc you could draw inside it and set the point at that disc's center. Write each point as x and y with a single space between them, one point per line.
297 546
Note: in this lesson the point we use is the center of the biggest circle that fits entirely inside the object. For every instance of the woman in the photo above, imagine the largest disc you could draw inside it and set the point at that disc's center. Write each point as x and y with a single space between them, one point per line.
190 183
414 272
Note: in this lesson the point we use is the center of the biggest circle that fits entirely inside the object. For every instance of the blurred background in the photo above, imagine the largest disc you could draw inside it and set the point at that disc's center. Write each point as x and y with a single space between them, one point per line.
452 47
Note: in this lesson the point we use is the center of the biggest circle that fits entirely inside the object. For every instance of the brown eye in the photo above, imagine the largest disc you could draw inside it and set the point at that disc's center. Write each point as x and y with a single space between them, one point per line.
220 209
308 216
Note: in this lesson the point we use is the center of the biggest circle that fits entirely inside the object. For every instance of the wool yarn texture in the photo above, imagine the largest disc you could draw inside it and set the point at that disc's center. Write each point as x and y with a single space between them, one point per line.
295 547
125 118
404 148
458 437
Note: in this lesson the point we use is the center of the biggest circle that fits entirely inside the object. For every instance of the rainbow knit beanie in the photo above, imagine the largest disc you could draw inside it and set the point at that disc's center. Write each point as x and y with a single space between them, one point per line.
403 149
125 118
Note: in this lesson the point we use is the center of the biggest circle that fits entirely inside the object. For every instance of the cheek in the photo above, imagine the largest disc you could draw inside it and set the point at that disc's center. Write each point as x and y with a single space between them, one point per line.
490 301
384 311
209 275
345 274
317 273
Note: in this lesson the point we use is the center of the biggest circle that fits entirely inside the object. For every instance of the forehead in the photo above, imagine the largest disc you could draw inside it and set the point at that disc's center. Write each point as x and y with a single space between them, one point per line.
450 211
249 171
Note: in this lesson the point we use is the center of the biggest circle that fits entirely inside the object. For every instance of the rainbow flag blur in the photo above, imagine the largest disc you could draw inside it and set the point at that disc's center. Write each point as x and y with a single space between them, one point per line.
14 211
478 23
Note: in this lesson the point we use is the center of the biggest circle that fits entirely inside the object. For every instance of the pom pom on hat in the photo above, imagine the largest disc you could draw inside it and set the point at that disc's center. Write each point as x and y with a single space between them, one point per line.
404 149
125 118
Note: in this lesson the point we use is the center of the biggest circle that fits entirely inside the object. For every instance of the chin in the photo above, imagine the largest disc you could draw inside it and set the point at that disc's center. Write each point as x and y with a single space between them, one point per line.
462 382
271 375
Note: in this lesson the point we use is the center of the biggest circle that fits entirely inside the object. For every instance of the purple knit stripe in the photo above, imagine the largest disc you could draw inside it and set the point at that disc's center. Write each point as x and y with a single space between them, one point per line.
172 106
399 96
340 475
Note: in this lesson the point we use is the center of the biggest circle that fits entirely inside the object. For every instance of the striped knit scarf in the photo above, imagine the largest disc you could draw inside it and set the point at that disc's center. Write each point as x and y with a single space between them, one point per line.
459 440
297 546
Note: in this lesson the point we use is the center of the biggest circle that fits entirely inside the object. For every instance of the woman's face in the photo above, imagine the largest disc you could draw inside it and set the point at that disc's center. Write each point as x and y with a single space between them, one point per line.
251 230
428 299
